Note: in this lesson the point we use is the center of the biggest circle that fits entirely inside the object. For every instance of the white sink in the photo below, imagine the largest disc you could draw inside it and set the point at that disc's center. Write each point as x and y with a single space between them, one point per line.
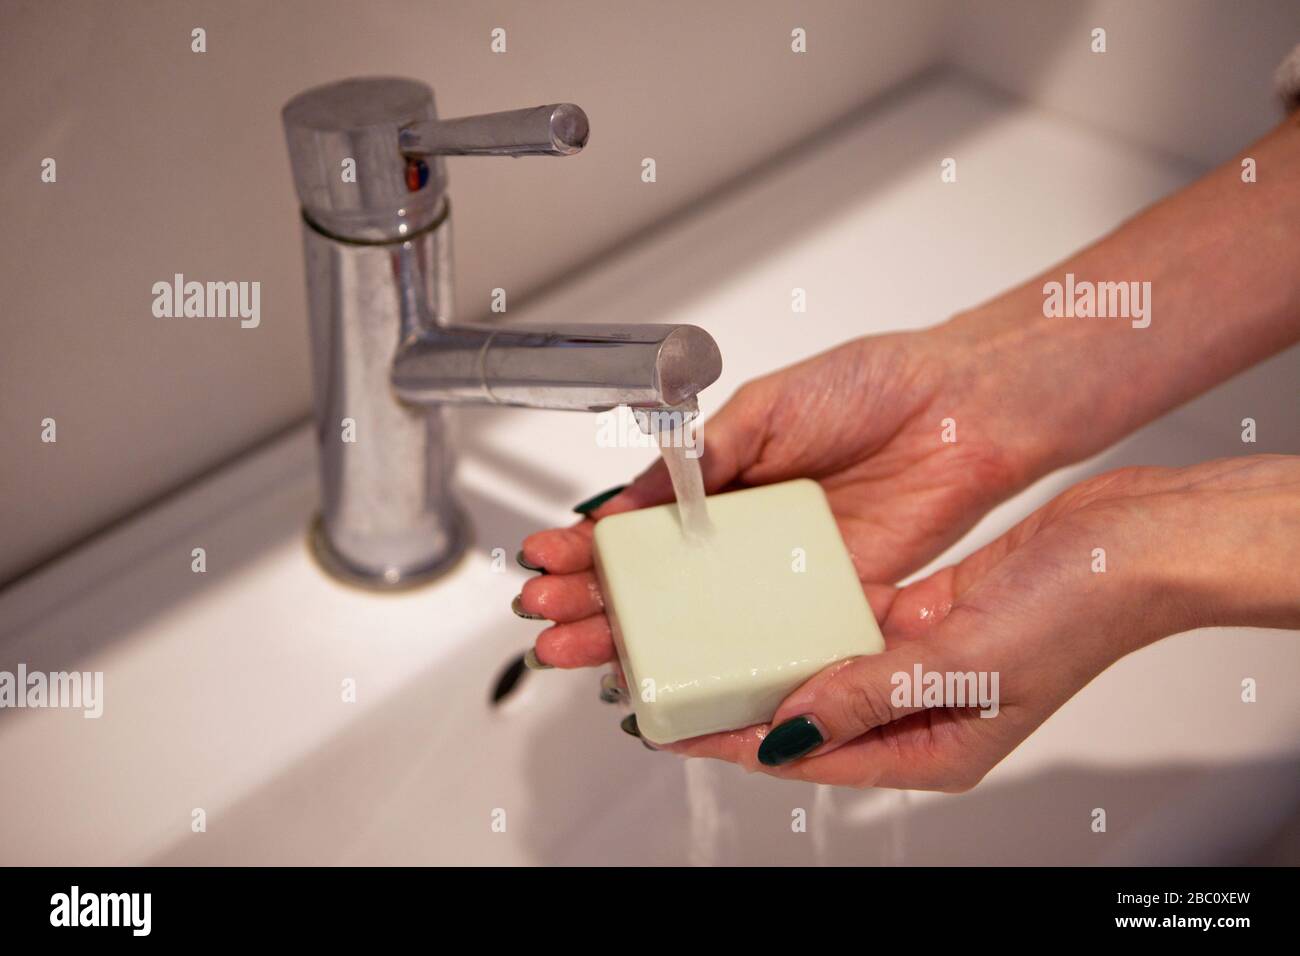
224 689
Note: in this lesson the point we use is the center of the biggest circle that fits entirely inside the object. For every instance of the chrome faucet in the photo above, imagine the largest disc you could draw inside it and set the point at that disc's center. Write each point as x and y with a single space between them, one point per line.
386 361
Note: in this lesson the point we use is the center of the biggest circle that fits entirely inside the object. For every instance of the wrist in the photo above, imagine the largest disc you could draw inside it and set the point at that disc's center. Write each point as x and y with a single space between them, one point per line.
1223 546
1046 401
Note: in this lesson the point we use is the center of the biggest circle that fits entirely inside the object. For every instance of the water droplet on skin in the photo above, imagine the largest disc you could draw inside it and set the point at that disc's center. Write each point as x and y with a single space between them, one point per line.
935 614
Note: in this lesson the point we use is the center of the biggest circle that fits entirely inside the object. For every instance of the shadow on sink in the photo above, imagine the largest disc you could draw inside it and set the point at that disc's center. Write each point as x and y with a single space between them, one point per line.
430 775
114 587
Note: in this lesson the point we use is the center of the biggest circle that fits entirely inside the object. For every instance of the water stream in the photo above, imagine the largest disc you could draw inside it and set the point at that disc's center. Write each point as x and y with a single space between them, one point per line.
709 820
671 429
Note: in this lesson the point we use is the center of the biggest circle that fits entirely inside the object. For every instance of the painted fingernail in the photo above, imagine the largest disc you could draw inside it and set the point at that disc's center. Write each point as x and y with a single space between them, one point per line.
610 691
517 605
533 664
508 680
591 504
629 726
523 563
789 741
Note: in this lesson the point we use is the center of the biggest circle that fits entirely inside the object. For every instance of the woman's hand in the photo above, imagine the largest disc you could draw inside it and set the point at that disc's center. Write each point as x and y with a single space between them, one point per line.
1022 393
1215 544
913 436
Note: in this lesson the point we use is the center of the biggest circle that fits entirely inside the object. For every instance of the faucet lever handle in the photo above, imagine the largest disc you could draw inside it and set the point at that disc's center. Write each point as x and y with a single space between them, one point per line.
559 129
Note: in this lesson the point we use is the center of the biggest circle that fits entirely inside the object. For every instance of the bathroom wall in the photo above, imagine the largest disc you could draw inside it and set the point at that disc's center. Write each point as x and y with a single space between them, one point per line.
169 161
1190 78
173 161
1193 78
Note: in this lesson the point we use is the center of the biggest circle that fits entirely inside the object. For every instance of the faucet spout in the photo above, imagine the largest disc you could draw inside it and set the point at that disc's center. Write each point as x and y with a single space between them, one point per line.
575 367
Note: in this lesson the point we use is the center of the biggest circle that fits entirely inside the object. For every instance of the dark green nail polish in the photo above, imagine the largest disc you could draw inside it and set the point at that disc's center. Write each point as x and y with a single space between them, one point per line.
523 563
533 664
790 741
591 504
517 605
628 724
610 691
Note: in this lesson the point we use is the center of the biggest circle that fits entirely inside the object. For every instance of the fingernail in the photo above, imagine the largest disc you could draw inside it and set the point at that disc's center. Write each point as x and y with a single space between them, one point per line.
508 680
790 741
629 726
517 605
523 563
591 504
610 691
533 664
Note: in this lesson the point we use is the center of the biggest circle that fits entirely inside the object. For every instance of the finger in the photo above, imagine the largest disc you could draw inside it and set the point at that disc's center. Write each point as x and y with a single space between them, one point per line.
845 701
566 550
881 759
865 762
914 610
881 598
858 764
887 757
560 550
584 643
734 746
563 597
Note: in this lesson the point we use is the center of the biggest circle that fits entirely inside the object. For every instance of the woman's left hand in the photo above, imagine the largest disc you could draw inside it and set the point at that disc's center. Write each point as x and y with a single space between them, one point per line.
1214 544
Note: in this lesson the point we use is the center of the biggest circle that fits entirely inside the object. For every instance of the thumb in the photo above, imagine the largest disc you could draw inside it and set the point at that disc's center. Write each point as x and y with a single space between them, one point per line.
847 699
854 696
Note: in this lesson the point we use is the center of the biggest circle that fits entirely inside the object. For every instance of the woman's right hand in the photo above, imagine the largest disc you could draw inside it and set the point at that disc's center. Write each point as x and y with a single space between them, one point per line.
913 436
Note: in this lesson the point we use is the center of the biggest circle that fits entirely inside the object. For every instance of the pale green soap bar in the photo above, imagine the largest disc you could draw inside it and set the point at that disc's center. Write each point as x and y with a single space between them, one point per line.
720 631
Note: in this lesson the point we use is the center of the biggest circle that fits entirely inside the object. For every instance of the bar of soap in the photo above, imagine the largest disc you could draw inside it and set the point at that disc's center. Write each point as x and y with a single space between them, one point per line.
713 634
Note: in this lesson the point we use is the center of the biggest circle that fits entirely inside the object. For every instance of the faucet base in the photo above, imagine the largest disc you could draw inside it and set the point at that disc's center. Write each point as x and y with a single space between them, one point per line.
390 579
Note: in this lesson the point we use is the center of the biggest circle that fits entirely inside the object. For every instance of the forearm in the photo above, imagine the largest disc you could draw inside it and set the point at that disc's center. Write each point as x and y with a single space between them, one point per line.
1131 556
1222 259
1234 554
1218 544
